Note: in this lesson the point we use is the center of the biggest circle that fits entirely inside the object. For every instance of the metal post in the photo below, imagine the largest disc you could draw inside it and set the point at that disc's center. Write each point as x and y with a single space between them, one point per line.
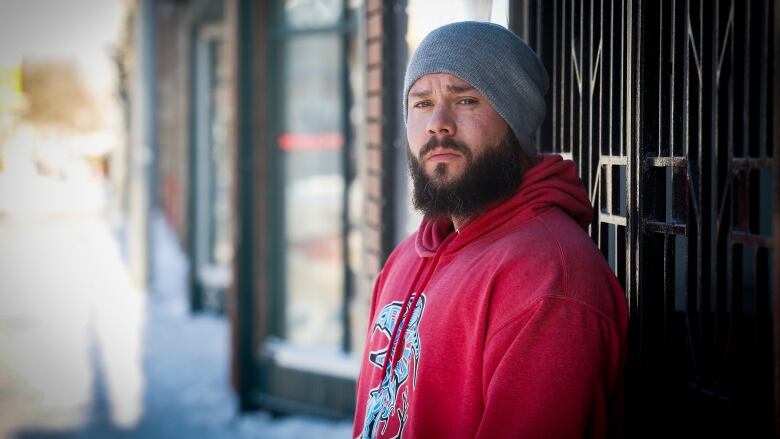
143 146
245 245
395 55
776 213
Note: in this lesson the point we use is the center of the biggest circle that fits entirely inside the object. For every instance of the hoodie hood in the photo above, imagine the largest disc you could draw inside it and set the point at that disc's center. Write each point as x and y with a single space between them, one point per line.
552 182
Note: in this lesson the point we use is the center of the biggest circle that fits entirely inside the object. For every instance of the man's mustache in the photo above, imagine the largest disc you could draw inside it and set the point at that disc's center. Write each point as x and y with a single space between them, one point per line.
446 143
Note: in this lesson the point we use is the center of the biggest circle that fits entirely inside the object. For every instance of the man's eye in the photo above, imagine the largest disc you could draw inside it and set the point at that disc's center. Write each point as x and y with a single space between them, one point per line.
422 104
468 101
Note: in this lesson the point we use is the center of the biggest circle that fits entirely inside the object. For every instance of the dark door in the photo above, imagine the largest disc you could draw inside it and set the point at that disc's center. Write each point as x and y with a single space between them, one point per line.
667 108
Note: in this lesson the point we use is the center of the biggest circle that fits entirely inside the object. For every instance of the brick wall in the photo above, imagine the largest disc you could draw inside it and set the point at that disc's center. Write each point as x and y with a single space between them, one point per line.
172 122
373 214
382 89
378 164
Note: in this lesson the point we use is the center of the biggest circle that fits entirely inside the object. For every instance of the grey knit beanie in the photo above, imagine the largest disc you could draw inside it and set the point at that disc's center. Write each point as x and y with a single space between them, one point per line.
494 61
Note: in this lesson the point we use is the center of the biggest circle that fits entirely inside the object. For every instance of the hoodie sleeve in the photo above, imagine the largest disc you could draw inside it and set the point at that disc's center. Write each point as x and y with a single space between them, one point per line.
551 372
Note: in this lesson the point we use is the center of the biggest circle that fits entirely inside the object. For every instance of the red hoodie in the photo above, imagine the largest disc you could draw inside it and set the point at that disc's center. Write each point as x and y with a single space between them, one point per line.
518 330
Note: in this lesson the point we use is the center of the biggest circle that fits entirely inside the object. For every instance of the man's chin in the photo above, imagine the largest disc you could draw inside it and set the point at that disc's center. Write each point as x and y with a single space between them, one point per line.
444 179
439 183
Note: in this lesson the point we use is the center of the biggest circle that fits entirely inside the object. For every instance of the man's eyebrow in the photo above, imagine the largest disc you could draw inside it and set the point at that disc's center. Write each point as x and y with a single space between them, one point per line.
454 89
459 88
419 94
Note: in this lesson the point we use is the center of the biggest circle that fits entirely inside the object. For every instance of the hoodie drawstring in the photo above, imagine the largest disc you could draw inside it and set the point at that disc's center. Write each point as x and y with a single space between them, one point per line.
393 357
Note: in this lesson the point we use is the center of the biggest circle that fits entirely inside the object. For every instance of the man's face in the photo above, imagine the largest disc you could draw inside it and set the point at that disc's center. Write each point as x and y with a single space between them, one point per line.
443 109
462 154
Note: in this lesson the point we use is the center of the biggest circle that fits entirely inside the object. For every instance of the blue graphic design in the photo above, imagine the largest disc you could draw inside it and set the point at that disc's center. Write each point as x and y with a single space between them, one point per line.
383 399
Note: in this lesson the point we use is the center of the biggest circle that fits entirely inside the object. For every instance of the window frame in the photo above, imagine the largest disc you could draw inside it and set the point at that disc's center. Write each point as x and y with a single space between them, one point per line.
294 378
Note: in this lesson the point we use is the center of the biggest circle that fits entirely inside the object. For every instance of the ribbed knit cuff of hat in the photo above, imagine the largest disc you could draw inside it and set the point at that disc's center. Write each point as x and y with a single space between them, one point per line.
497 63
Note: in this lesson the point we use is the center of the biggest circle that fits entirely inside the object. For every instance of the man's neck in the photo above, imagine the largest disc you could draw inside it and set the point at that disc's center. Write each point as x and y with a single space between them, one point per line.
457 223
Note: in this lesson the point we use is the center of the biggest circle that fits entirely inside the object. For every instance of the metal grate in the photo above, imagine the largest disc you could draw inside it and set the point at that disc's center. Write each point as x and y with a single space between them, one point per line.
666 108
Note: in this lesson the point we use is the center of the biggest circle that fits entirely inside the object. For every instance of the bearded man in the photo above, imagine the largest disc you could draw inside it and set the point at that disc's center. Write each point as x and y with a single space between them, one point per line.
499 317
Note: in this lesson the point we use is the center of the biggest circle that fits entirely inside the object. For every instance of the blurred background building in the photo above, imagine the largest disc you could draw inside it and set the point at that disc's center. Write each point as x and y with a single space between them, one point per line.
270 135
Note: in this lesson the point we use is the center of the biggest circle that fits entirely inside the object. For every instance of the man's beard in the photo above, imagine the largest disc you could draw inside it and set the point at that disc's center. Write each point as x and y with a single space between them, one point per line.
489 177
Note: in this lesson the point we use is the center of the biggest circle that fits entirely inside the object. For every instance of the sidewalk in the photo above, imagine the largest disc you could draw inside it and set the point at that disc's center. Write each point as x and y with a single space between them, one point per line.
84 355
187 364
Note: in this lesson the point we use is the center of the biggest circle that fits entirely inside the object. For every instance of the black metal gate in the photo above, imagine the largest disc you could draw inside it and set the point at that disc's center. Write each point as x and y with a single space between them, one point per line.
667 108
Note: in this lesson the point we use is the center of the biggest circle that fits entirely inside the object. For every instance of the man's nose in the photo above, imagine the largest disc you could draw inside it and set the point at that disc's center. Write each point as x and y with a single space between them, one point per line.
442 121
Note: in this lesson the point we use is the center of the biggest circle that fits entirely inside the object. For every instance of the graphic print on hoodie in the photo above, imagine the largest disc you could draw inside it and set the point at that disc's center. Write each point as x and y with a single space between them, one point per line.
383 401
521 330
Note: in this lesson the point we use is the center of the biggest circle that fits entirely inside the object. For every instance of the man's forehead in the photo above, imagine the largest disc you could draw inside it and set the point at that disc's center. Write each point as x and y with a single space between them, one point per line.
450 82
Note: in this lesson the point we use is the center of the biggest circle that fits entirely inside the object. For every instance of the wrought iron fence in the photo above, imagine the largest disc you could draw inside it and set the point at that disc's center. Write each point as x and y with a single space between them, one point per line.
666 107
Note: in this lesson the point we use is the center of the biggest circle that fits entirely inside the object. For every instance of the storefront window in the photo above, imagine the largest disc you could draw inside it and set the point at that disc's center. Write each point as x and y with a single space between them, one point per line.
302 14
212 247
427 15
311 143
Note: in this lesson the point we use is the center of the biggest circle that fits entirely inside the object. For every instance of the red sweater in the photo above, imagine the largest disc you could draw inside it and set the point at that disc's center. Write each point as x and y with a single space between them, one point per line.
519 330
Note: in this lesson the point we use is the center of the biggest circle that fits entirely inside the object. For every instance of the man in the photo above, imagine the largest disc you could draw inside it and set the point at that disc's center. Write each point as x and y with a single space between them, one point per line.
499 317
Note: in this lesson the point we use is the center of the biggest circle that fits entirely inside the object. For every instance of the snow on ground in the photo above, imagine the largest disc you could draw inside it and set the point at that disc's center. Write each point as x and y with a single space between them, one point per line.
197 376
83 354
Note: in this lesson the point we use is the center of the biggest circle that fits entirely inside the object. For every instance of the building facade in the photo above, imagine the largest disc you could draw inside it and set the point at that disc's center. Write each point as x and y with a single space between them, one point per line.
281 162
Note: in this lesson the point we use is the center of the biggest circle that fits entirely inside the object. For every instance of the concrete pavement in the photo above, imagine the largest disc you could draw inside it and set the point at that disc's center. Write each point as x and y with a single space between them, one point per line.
83 354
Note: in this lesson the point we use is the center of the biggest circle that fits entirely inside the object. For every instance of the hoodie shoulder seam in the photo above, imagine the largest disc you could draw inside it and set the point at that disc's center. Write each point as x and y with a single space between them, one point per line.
564 266
552 297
